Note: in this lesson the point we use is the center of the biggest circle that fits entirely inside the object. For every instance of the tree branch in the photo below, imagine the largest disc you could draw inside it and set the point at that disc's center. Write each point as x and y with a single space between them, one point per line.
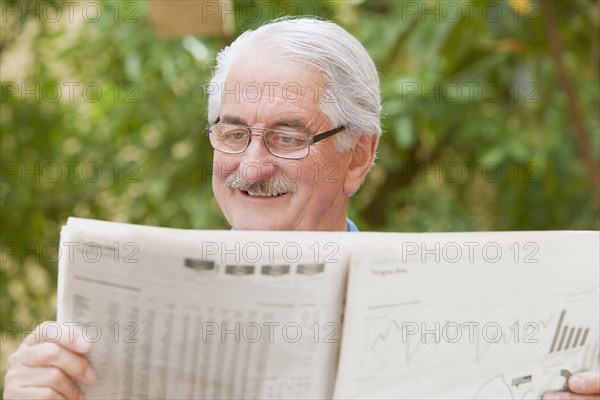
580 131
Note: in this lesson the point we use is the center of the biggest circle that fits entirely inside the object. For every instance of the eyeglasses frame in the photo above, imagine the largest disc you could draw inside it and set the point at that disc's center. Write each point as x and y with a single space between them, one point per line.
310 139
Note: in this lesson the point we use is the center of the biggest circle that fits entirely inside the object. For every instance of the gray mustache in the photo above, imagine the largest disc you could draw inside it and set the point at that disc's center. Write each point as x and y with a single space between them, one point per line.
273 184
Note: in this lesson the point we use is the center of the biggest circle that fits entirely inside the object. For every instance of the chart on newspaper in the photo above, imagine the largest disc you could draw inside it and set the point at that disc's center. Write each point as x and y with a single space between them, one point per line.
488 316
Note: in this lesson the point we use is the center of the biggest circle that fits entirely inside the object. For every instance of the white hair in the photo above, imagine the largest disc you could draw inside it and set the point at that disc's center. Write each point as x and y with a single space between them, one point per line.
352 96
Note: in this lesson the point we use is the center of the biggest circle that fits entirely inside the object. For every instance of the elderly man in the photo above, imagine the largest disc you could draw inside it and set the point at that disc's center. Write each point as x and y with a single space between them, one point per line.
294 113
295 125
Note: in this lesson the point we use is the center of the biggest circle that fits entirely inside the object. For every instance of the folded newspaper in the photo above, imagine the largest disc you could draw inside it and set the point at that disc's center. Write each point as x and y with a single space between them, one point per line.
297 315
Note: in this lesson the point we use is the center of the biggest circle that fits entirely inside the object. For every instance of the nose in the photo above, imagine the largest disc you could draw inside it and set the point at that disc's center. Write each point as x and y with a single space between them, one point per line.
257 162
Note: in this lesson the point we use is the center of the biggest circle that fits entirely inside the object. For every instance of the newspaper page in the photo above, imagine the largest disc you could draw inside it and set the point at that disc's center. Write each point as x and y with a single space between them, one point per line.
204 314
470 316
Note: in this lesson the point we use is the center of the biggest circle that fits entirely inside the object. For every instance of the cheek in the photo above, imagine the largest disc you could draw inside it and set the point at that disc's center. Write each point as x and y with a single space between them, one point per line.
297 172
221 170
327 167
318 179
304 173
218 185
327 175
223 166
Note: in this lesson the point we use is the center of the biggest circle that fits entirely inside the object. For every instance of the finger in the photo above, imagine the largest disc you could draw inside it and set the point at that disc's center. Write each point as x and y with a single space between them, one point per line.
52 355
587 382
568 396
49 377
31 393
67 335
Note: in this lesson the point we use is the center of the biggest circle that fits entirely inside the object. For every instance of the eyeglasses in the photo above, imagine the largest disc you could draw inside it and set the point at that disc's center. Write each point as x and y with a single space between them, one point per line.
235 139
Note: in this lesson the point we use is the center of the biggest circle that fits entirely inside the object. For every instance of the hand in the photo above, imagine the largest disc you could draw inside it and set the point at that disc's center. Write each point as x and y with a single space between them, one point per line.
583 385
49 367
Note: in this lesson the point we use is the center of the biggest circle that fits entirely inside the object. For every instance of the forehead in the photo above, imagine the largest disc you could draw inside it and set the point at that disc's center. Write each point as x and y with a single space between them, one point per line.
262 88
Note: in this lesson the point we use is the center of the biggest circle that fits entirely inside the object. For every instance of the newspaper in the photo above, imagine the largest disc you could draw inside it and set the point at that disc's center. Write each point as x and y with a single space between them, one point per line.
258 315
502 315
203 314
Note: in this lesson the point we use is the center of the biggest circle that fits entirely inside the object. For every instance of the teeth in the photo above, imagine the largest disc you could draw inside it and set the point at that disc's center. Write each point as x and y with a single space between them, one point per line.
263 194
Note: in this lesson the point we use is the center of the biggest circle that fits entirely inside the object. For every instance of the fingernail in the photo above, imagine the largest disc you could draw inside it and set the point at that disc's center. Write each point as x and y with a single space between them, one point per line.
577 384
89 376
82 345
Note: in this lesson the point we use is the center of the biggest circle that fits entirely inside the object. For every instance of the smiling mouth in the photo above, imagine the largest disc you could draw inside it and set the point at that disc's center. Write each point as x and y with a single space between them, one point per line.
266 195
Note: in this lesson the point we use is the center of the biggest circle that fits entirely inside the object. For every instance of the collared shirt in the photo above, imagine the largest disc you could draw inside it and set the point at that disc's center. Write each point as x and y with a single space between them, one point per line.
351 225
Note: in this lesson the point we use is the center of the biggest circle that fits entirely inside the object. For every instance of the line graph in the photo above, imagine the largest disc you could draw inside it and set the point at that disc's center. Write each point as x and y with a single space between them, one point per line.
498 385
407 339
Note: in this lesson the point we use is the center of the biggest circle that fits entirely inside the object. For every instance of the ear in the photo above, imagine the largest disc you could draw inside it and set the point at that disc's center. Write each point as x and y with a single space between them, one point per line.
360 162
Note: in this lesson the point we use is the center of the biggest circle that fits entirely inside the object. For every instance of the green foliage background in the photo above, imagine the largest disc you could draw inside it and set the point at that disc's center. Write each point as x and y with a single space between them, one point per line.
146 130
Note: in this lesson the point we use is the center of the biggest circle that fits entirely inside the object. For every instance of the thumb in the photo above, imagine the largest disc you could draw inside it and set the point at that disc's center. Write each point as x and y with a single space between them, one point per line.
587 382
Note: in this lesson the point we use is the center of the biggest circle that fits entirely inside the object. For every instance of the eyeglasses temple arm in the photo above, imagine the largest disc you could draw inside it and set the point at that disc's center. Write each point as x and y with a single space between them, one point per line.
325 135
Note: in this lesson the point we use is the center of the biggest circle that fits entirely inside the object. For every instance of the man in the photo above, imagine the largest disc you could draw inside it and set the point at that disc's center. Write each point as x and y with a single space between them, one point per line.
294 113
299 80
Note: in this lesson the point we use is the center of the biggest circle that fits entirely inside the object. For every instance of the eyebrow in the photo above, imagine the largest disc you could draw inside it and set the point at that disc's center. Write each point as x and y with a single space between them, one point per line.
230 119
287 123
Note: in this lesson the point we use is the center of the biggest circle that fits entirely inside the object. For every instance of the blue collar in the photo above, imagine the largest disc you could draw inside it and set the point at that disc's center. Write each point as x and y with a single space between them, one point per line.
351 225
